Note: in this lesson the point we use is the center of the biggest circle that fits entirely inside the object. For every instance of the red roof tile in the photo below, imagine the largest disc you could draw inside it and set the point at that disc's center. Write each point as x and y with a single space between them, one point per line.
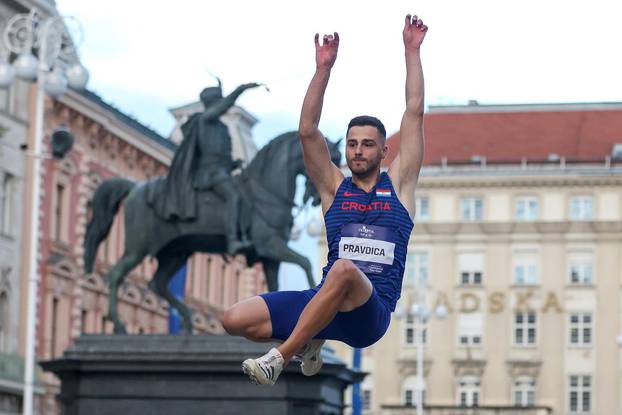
509 133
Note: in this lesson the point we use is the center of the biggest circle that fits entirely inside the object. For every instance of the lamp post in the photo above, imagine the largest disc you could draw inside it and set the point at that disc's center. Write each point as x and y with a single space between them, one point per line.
421 314
315 229
55 47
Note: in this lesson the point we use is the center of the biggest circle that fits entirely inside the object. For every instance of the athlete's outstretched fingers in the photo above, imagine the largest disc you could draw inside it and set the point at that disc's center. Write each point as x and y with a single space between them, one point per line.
317 40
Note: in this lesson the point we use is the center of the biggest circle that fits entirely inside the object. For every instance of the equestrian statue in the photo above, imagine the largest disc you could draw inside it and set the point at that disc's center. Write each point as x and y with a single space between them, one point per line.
201 207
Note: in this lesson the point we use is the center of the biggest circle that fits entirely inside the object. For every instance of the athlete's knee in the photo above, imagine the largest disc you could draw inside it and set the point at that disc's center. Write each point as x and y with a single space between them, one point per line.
343 273
240 320
233 321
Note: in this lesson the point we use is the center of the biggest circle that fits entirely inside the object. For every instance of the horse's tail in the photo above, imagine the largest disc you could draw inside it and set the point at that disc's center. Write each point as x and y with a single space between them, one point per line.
105 204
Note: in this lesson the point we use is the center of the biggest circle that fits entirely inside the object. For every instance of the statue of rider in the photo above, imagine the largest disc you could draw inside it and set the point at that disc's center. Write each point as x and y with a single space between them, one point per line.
203 161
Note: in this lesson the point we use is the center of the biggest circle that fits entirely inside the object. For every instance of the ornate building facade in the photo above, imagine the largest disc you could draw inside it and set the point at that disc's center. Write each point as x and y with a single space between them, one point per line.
108 143
111 144
14 125
518 237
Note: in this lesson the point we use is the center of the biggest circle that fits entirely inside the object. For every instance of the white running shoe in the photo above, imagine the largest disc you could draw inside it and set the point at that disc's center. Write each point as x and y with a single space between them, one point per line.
311 357
266 369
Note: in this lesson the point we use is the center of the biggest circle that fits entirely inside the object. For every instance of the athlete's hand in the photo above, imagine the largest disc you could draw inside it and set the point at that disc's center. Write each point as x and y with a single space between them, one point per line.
326 53
414 32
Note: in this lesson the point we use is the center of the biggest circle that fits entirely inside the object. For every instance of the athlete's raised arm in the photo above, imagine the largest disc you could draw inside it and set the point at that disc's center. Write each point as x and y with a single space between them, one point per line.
321 170
404 170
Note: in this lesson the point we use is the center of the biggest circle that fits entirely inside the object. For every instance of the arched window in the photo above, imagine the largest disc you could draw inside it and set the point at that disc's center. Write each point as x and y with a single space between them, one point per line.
61 200
524 391
409 391
4 320
208 280
6 204
469 391
236 286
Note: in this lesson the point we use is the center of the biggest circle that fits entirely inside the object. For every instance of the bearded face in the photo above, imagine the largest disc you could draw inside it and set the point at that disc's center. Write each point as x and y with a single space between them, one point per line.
365 149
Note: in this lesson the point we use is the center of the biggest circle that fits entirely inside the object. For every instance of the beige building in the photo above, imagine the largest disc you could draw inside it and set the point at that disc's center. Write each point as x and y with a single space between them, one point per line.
518 236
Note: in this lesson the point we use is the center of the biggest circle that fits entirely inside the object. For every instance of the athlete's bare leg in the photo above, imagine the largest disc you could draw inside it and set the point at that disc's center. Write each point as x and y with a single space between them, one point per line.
345 288
249 318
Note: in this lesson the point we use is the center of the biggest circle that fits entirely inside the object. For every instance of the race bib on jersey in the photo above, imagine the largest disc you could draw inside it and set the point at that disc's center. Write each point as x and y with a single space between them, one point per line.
371 248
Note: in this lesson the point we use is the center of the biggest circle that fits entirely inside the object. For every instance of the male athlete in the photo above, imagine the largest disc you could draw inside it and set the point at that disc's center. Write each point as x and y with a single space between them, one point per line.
368 221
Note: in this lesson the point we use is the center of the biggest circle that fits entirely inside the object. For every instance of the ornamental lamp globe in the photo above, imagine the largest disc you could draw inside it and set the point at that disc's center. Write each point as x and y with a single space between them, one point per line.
441 311
295 232
26 66
7 75
78 76
55 83
315 228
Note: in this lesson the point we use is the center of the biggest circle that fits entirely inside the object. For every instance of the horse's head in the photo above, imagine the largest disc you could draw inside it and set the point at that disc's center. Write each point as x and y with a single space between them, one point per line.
310 190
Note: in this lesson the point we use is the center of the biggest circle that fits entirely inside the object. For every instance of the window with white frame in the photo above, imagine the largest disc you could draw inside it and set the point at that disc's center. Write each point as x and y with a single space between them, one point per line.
470 329
525 327
580 327
469 391
422 208
527 208
580 268
524 391
471 268
471 209
409 332
580 394
526 268
366 399
409 391
581 208
416 268
6 203
4 320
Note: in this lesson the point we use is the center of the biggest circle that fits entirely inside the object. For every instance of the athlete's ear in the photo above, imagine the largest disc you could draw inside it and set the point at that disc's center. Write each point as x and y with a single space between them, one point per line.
385 149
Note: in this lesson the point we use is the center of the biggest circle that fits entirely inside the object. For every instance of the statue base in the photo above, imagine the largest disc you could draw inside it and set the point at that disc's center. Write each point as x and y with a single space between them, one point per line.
184 375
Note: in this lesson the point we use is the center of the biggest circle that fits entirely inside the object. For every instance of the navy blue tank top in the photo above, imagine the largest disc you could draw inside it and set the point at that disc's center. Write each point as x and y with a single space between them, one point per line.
372 230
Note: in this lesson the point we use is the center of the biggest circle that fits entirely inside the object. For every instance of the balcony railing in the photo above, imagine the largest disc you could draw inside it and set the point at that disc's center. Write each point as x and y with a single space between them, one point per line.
12 368
460 410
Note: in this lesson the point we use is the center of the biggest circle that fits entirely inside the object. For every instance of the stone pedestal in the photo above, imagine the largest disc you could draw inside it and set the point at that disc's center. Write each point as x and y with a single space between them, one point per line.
187 375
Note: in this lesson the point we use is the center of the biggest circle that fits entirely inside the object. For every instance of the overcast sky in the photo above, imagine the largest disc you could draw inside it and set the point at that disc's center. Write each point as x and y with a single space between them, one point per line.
148 56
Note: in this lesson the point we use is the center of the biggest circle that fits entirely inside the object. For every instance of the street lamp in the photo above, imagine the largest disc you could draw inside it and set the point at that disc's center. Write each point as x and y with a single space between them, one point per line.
421 314
315 229
55 51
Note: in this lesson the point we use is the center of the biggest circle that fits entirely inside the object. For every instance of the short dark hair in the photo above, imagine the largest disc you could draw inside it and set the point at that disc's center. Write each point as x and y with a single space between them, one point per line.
362 120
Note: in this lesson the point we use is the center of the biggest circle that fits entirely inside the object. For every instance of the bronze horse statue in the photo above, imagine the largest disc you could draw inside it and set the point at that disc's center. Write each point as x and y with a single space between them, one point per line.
268 186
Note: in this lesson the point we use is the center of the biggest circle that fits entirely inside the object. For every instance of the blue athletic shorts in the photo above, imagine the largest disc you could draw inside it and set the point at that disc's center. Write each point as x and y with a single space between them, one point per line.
361 327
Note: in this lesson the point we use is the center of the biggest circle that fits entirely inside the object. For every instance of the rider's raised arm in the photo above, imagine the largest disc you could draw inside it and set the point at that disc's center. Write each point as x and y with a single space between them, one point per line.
321 170
404 170
221 106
